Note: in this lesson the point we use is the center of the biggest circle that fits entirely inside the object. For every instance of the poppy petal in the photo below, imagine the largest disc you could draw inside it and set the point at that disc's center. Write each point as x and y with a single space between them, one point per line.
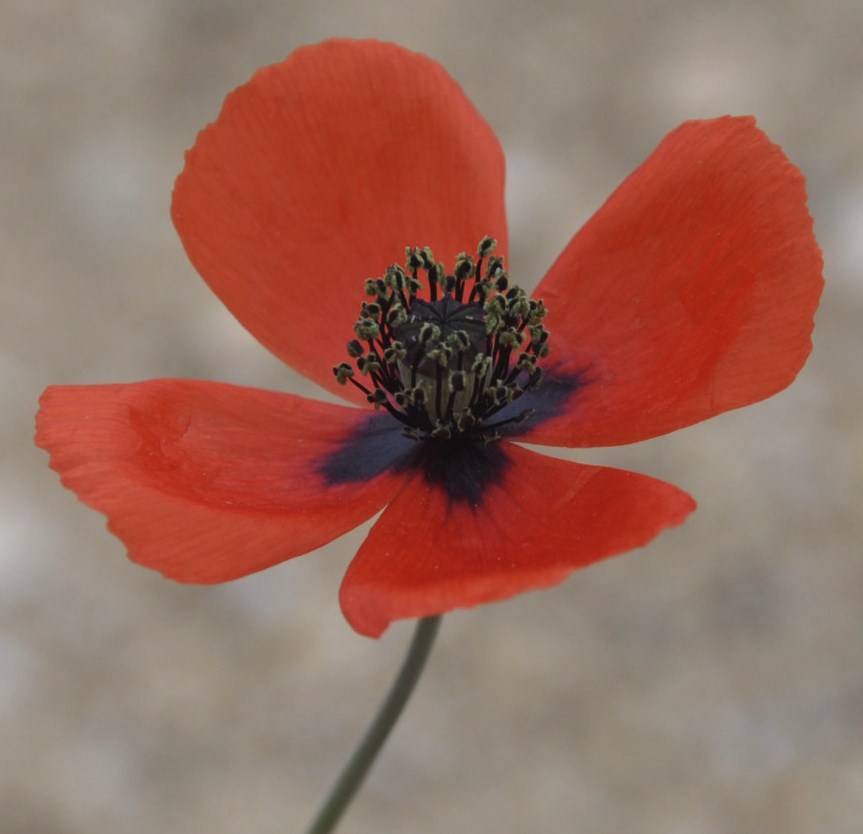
207 482
316 176
541 520
689 293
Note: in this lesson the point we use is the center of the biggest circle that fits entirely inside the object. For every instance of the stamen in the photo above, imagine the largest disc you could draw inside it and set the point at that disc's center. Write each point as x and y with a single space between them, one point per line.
444 364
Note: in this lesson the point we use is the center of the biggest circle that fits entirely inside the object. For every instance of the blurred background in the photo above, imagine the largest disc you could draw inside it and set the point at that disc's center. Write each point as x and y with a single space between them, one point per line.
711 683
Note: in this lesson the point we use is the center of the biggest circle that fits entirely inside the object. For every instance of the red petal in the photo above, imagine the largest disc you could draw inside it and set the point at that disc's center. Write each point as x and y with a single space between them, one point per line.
202 481
317 174
690 292
542 520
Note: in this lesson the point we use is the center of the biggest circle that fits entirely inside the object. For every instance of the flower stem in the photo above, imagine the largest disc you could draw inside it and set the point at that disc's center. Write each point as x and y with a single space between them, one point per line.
367 750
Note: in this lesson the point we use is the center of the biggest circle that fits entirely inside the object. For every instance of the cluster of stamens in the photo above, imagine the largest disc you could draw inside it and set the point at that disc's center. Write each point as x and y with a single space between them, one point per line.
444 365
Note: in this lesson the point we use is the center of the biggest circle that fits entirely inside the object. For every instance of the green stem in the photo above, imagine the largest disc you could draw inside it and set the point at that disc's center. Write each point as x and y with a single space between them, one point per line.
367 750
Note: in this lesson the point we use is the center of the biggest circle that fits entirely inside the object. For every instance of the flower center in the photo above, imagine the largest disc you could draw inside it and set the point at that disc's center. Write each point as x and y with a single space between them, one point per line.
446 364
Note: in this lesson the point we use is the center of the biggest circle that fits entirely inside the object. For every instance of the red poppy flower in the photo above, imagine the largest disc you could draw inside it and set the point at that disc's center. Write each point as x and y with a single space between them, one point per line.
690 292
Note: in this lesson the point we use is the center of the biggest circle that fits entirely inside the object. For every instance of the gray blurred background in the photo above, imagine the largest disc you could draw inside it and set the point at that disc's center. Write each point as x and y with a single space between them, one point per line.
712 683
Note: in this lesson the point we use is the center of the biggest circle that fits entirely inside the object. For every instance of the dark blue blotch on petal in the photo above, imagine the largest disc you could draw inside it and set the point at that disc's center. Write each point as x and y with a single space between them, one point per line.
552 397
462 468
377 446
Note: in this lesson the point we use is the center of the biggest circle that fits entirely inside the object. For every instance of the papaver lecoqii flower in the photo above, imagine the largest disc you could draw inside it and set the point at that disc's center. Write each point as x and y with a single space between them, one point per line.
316 207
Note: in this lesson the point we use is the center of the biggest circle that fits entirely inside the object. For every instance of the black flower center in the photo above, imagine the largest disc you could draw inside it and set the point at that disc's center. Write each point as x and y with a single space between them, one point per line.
444 365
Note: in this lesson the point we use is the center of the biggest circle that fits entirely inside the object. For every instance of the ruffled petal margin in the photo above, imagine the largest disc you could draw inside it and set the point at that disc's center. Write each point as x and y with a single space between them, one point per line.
545 518
203 481
690 292
317 174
